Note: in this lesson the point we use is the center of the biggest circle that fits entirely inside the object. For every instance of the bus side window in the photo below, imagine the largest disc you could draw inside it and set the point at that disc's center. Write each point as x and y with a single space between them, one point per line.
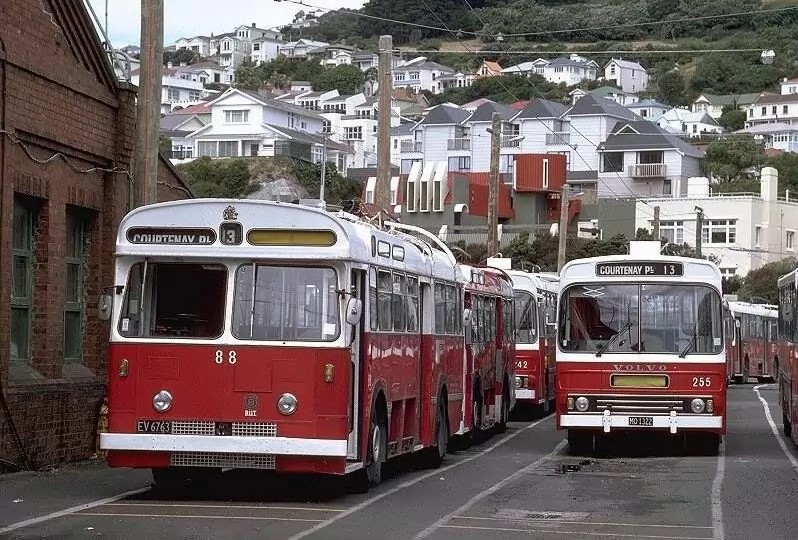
373 310
412 304
384 297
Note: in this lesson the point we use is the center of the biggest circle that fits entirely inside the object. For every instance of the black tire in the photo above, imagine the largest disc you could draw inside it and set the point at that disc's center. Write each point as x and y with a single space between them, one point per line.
433 457
706 444
580 442
176 481
477 433
501 427
787 426
377 449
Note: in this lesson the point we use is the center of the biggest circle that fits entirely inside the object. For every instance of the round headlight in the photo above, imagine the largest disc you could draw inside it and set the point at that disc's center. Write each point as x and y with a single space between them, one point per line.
518 382
287 404
162 401
697 406
582 404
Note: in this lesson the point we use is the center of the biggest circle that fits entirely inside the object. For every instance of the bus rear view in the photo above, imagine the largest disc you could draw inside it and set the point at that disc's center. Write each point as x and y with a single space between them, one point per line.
640 347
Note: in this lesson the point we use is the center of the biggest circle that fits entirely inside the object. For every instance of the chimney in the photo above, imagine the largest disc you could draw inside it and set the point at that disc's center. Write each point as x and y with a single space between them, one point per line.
769 184
698 187
169 65
253 25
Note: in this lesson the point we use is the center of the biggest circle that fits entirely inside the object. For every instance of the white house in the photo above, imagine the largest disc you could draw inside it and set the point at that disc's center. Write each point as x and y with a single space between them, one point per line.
773 108
246 123
714 104
455 80
230 49
535 67
333 55
265 49
776 135
198 44
250 33
789 86
300 48
401 136
627 75
639 159
420 74
608 92
175 91
744 231
649 109
569 70
692 124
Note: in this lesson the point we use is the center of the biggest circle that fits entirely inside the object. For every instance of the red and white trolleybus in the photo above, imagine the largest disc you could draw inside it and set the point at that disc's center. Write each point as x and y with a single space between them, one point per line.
535 341
787 360
751 341
640 347
261 335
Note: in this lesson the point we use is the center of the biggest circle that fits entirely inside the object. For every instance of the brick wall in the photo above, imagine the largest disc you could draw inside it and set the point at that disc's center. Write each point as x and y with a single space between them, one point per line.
57 95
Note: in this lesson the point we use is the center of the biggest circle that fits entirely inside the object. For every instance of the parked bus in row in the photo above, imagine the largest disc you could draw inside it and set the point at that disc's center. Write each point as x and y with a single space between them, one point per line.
787 364
640 347
751 341
262 335
535 339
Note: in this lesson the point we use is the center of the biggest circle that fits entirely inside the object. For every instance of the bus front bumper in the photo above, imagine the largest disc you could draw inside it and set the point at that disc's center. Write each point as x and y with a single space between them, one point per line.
143 442
608 422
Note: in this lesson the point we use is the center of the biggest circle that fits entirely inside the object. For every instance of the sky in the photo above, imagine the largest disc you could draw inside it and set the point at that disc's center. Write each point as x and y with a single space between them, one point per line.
201 17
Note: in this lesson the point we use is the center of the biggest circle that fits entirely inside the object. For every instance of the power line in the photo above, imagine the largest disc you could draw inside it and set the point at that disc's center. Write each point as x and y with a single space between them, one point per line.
573 51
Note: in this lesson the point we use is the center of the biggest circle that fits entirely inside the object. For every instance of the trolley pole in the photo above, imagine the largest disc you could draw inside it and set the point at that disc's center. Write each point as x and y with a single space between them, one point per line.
656 224
563 226
323 166
699 226
493 186
383 187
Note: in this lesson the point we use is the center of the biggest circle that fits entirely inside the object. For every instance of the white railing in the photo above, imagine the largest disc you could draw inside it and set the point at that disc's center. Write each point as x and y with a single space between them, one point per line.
510 141
462 143
647 170
412 146
558 138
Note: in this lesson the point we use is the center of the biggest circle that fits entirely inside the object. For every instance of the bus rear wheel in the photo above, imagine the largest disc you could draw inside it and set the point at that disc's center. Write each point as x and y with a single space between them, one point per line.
433 457
787 426
501 427
580 442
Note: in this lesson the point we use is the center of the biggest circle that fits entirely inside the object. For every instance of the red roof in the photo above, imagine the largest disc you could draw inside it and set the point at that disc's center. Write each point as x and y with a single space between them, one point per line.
519 105
200 108
493 66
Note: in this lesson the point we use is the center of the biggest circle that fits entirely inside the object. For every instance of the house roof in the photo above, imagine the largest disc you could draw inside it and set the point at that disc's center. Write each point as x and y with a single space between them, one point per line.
405 128
729 99
311 138
174 133
766 129
193 37
476 103
198 66
606 91
581 176
648 103
683 115
484 112
519 68
645 135
313 94
199 108
493 66
306 42
300 83
272 102
519 105
226 35
565 61
789 81
421 62
766 99
541 108
590 105
626 64
445 114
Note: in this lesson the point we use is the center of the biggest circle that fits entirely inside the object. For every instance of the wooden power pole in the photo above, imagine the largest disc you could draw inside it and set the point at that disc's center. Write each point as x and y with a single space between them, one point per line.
563 226
382 195
699 225
493 186
656 224
148 117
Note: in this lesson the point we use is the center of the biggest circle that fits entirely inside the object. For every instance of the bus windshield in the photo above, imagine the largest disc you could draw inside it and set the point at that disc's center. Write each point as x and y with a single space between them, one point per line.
641 318
286 303
174 300
526 316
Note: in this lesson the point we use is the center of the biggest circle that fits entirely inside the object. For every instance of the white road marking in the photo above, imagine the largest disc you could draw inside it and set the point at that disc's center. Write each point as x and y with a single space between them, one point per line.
230 506
193 516
774 429
490 491
559 521
717 490
69 511
408 483
575 533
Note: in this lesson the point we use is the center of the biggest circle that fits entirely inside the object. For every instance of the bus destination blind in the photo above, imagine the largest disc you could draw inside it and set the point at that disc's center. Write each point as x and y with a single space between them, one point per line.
171 236
639 269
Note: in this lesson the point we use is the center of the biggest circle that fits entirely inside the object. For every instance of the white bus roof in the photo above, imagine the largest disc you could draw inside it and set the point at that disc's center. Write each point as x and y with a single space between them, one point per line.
762 310
653 268
190 229
787 278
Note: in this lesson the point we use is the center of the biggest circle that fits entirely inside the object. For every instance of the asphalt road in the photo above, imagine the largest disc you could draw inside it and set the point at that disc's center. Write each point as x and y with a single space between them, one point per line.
523 484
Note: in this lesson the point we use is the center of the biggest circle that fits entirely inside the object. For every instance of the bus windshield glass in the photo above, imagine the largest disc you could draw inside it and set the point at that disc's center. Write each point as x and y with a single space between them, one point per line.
286 303
641 318
526 317
174 300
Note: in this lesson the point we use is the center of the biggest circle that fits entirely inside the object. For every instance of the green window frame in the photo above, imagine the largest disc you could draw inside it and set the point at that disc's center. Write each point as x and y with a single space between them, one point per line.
75 285
22 278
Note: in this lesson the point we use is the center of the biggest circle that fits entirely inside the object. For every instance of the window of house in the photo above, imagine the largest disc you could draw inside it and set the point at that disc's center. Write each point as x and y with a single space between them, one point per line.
462 163
74 292
634 74
545 174
612 162
415 75
789 241
326 126
394 191
399 77
506 164
424 194
644 113
172 94
207 149
750 113
672 231
764 111
194 95
236 116
719 231
353 133
758 235
228 148
303 125
558 69
612 70
256 46
785 109
226 46
695 128
437 194
291 120
773 109
411 199
396 144
21 279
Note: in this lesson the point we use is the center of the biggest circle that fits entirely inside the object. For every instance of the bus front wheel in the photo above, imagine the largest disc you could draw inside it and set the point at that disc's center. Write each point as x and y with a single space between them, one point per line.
580 441
787 426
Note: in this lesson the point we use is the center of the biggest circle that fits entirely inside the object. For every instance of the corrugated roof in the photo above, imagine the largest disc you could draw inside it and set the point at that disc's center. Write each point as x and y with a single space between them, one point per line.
405 128
764 129
627 64
445 114
590 105
484 112
280 104
542 108
776 98
647 103
645 135
311 138
730 99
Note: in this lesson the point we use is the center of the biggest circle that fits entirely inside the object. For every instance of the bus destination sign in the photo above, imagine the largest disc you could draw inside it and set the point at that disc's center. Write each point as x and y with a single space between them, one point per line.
171 236
639 269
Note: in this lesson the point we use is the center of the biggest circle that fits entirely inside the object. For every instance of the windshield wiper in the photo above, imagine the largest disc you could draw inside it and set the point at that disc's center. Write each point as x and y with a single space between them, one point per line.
684 352
614 338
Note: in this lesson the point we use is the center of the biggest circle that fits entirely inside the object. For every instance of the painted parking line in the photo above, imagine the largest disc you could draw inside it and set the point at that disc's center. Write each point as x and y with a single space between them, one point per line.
193 516
716 493
228 507
773 427
573 533
586 523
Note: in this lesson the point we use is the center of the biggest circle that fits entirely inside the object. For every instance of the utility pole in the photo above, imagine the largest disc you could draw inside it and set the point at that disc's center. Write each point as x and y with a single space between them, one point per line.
563 226
148 117
656 224
493 186
323 166
382 195
699 226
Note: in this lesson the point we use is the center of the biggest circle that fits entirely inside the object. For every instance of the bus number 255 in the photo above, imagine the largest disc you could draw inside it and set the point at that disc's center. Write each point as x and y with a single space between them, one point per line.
702 382
231 357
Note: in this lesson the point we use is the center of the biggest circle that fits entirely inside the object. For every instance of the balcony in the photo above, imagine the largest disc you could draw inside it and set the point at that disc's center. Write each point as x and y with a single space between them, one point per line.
647 170
510 141
462 143
412 146
558 138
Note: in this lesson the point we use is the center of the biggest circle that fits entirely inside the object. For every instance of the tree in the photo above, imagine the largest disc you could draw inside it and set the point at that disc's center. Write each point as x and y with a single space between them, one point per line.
228 178
762 283
728 158
787 165
337 188
732 118
346 78
180 56
165 145
671 88
249 76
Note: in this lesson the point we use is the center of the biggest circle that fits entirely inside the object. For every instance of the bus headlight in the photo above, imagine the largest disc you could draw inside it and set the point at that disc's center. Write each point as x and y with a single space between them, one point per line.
710 406
570 403
162 401
582 404
519 382
287 404
697 406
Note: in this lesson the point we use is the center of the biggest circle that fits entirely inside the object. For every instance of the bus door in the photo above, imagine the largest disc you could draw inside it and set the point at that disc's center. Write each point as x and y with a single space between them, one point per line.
355 341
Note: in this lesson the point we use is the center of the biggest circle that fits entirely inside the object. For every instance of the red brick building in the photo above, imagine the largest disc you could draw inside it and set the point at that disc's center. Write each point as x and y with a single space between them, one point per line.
67 131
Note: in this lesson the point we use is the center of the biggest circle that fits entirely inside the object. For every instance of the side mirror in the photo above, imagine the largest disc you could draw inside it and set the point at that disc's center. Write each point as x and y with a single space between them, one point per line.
354 309
105 307
466 317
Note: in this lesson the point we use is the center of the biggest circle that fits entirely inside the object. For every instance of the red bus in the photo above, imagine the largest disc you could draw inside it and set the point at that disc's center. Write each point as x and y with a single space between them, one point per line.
260 335
535 342
786 362
751 341
640 347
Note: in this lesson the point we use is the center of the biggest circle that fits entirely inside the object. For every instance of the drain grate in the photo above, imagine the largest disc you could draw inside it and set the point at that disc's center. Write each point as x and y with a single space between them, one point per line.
540 515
